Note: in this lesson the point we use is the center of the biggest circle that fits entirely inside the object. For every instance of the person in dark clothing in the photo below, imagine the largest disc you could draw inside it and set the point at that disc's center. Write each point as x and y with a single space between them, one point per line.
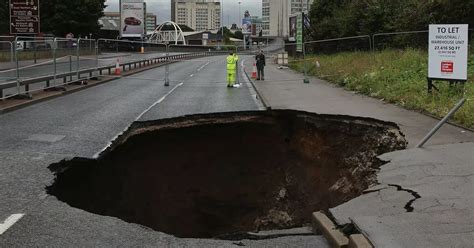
260 58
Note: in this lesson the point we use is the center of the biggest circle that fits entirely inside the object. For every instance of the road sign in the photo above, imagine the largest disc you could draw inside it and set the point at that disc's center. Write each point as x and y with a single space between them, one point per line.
448 52
299 32
24 17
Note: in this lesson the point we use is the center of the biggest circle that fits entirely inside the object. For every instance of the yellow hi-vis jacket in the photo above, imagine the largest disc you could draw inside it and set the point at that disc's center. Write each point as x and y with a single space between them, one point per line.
232 62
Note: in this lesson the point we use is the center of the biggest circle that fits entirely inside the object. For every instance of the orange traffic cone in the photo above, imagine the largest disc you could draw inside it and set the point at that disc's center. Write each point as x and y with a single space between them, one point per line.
254 71
117 68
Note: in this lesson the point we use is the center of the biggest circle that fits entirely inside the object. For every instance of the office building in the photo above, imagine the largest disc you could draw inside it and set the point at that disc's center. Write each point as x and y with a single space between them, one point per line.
197 14
276 14
151 22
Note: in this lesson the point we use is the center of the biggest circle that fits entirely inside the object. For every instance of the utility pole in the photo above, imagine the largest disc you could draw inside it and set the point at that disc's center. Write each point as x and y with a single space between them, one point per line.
240 15
222 18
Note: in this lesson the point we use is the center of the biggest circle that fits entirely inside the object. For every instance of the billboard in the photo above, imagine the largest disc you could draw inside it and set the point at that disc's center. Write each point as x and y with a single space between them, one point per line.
448 52
24 17
292 31
247 25
132 18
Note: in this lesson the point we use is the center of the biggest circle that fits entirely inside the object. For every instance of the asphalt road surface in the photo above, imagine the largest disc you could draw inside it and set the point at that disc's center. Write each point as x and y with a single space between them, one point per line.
81 125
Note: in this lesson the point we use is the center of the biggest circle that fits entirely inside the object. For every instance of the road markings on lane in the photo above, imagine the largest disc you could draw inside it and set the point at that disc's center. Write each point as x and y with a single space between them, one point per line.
159 101
138 118
147 110
9 222
202 67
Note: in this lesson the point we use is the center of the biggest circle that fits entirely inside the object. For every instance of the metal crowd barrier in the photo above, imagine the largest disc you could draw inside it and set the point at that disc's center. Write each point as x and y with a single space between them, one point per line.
95 71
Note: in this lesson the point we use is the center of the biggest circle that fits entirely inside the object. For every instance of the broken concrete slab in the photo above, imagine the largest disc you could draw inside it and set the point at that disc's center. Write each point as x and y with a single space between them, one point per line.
434 185
385 201
359 241
324 225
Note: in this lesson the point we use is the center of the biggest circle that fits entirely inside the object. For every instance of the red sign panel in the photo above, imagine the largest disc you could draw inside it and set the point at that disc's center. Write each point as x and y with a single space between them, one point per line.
447 66
24 17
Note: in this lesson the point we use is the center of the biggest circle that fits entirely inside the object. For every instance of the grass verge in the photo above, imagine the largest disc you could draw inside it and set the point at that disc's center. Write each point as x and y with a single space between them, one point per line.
396 76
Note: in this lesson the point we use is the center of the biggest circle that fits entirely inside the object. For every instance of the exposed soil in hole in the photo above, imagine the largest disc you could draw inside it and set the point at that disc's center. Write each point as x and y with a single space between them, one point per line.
208 176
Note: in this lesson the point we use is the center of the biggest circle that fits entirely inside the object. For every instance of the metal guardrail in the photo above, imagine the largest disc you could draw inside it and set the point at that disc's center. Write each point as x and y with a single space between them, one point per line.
124 67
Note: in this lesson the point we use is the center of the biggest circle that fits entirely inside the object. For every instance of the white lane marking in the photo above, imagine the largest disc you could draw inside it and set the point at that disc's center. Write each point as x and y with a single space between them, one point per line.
136 119
202 67
158 102
192 75
141 115
9 222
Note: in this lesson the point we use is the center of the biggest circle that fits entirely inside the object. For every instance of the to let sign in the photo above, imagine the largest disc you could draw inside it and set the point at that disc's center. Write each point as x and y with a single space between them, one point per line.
448 52
24 17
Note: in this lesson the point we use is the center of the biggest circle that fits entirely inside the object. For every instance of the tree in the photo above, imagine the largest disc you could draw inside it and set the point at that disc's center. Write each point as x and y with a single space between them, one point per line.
80 17
452 12
4 17
60 17
239 35
342 18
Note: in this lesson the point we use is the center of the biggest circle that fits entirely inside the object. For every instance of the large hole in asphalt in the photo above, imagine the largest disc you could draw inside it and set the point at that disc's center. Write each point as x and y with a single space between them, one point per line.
211 176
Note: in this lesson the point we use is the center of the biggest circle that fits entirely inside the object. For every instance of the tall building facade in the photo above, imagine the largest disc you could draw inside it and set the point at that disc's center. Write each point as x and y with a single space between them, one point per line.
276 14
199 15
151 22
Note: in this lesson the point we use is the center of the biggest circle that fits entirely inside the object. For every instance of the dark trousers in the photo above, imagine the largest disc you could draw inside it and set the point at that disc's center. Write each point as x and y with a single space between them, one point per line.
261 72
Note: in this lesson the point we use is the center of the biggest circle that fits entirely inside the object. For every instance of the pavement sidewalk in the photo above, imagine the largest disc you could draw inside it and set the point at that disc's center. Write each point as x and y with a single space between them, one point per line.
425 196
284 89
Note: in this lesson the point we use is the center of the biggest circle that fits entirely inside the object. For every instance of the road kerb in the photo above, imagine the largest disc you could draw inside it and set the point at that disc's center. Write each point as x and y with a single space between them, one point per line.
359 241
323 224
259 94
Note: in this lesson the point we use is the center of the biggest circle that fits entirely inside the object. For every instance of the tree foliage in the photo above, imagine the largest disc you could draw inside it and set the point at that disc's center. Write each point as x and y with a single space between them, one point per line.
60 17
4 17
342 18
77 16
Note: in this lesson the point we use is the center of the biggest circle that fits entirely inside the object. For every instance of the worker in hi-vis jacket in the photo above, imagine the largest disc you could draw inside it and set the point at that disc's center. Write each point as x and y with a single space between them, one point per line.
232 61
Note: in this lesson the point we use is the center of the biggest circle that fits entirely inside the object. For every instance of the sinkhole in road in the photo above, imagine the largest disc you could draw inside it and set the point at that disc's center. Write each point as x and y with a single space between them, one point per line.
217 175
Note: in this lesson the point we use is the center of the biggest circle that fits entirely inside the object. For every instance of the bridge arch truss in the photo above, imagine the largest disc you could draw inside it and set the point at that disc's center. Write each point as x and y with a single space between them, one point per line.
175 36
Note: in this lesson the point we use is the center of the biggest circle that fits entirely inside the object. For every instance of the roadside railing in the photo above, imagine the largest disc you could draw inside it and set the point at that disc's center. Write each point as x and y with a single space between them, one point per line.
75 61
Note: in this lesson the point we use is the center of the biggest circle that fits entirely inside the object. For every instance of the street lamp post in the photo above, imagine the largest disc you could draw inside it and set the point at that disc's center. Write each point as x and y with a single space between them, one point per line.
240 14
222 18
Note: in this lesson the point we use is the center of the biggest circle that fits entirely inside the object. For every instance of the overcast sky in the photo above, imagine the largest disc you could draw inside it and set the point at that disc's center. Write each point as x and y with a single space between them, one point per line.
162 8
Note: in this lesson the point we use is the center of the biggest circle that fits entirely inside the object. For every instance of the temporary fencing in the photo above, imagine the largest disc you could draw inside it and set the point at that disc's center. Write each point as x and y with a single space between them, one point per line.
6 51
50 64
401 40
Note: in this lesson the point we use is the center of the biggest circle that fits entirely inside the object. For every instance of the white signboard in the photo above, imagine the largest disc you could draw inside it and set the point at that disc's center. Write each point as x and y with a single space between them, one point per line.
448 52
132 18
